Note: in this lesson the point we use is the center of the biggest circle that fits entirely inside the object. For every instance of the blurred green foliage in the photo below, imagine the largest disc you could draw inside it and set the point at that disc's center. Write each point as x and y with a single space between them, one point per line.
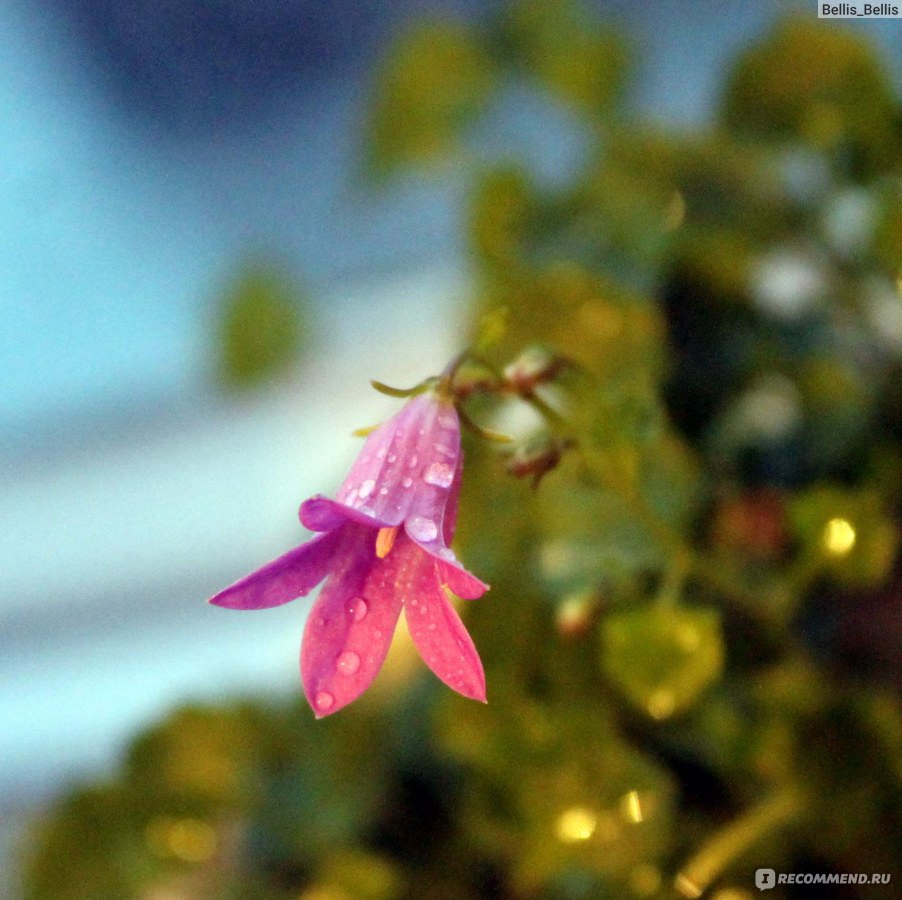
567 50
692 640
262 327
434 81
823 87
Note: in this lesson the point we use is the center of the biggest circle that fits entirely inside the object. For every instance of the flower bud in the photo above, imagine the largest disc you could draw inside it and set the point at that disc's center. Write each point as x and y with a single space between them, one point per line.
534 366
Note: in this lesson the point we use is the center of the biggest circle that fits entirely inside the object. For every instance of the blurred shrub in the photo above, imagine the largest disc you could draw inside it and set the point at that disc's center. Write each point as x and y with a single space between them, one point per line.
262 327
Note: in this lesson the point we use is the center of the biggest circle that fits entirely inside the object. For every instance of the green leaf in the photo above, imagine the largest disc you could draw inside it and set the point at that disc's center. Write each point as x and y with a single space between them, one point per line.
819 84
662 658
261 327
434 81
569 51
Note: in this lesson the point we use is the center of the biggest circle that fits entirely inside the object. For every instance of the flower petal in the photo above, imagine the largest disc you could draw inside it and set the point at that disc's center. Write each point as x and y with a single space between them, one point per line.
350 626
443 641
319 513
406 467
284 579
435 627
459 581
450 571
449 520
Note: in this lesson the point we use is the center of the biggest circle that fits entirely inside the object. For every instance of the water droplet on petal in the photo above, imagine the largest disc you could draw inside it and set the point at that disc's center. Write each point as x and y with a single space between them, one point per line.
358 609
431 626
447 553
380 453
444 449
366 488
383 491
412 462
393 457
377 635
407 482
447 421
422 529
348 662
324 700
352 496
439 474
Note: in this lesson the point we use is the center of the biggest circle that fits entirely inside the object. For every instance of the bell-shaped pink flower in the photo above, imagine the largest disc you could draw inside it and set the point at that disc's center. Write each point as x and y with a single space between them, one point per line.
383 545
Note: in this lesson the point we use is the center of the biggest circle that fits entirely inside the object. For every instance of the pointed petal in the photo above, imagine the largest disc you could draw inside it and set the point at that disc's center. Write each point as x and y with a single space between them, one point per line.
350 627
435 627
284 579
322 514
459 581
444 643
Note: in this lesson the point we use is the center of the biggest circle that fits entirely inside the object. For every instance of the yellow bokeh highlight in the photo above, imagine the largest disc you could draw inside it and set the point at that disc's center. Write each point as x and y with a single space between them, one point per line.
661 704
686 887
317 892
631 807
675 212
731 893
645 880
839 537
189 840
575 824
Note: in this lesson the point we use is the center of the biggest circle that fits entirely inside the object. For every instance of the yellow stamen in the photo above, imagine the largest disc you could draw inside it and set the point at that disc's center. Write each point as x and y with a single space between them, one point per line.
385 540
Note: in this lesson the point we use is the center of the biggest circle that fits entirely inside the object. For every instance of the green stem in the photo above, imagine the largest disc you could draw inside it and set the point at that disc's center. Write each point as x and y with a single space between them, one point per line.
687 560
733 841
674 578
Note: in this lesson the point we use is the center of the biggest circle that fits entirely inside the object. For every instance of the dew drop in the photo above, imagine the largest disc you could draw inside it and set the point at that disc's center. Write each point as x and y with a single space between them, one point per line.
358 609
440 474
407 482
421 529
393 457
377 635
380 453
348 663
324 700
352 496
431 626
447 553
366 488
444 449
447 421
383 491
412 462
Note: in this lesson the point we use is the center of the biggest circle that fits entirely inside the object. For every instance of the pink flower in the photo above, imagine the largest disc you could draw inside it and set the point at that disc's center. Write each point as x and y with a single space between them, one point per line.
383 545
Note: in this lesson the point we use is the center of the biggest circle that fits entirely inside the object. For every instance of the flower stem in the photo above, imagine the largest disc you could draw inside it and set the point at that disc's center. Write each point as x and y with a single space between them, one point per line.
730 843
